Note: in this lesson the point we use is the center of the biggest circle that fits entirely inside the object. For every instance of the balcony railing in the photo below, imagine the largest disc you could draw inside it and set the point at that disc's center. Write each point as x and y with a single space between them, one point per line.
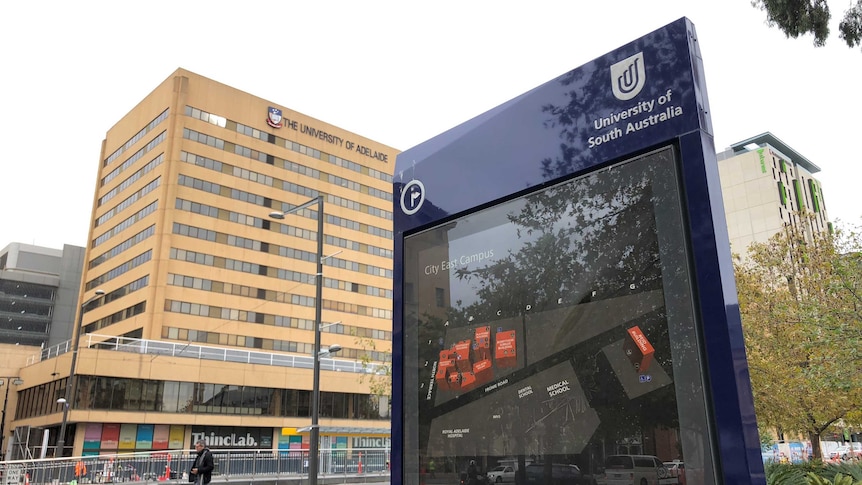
204 352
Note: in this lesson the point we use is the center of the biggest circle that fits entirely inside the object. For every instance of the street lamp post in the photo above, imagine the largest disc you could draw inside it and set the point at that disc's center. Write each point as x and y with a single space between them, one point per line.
314 438
7 381
68 399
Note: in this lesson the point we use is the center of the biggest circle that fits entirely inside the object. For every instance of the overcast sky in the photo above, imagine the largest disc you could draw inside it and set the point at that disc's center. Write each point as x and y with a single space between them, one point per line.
397 72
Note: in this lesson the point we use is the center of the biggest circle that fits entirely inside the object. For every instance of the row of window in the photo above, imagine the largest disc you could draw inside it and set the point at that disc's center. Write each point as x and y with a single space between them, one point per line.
224 313
284 251
240 195
291 187
134 158
152 164
357 206
290 145
125 245
282 297
123 394
121 269
216 338
137 137
124 225
120 292
286 229
269 159
282 274
128 201
116 317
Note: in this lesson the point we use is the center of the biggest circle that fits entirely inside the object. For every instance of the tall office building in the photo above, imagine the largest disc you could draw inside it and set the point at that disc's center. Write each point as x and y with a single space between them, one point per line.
207 323
38 293
766 184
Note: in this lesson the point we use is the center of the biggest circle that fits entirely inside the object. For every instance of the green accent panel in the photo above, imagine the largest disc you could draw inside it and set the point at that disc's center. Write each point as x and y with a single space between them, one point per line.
831 229
783 166
762 160
815 195
800 197
782 194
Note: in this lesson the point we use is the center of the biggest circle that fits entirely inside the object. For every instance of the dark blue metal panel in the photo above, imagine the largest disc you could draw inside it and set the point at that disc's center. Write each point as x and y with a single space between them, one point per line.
573 124
545 133
397 437
732 401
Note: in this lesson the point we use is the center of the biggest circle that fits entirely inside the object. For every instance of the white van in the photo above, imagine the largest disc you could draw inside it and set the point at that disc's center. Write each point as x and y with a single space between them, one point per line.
635 470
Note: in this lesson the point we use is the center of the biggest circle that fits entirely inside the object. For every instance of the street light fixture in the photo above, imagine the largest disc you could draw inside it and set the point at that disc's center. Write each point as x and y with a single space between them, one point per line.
68 400
6 381
331 350
314 438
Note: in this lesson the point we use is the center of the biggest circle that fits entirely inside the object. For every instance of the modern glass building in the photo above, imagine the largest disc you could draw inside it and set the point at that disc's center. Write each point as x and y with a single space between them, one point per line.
207 322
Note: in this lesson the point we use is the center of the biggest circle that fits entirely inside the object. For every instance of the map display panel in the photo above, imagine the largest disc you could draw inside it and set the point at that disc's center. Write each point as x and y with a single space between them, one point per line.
551 325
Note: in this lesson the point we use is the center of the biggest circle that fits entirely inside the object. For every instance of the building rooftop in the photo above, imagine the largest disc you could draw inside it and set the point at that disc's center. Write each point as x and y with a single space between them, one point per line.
772 140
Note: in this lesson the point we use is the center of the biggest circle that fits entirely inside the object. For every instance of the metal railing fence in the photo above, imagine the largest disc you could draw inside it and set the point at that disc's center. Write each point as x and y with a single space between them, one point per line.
205 352
173 466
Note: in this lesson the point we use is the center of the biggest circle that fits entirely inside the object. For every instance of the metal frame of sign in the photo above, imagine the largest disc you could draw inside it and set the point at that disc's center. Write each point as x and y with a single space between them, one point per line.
643 96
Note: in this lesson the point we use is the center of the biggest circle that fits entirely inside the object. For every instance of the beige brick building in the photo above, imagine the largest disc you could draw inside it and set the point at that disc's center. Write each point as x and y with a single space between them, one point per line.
206 327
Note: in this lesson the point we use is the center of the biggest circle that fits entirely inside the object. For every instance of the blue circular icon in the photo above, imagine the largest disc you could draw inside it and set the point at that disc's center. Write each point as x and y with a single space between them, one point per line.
412 197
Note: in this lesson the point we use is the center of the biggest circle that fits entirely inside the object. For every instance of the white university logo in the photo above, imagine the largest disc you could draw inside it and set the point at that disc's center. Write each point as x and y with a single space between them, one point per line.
628 77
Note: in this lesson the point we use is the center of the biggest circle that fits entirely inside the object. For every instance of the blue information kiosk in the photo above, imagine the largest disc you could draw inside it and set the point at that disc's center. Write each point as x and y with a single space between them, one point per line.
564 295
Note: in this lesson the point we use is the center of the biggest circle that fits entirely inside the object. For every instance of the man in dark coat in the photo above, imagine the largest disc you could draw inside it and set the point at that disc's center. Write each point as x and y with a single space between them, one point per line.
472 473
202 468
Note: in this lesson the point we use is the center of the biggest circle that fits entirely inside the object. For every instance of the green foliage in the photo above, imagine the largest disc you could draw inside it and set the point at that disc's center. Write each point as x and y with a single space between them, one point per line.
802 17
784 474
800 295
850 29
838 479
813 473
834 471
378 375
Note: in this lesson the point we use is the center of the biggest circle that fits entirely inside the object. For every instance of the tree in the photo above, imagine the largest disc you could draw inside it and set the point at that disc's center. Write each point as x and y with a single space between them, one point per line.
800 17
800 295
377 374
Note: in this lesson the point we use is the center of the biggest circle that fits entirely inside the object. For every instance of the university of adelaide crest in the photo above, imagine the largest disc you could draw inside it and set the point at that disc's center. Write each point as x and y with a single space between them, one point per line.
273 118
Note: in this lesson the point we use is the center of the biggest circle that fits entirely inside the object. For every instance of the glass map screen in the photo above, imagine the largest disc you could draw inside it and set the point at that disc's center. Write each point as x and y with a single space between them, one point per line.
556 328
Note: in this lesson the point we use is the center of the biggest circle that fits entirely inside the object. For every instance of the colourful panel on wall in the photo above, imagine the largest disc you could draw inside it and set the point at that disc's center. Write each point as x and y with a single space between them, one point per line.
177 437
161 436
93 436
128 435
110 436
144 438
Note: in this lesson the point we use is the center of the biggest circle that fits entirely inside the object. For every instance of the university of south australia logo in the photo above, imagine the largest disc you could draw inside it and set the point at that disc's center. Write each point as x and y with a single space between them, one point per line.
628 77
273 117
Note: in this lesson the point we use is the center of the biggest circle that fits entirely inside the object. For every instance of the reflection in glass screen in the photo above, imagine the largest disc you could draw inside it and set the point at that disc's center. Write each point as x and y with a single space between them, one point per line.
554 334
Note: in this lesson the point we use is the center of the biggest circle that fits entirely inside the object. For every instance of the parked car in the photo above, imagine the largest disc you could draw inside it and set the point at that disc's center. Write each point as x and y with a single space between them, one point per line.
844 452
676 469
560 474
501 474
635 470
